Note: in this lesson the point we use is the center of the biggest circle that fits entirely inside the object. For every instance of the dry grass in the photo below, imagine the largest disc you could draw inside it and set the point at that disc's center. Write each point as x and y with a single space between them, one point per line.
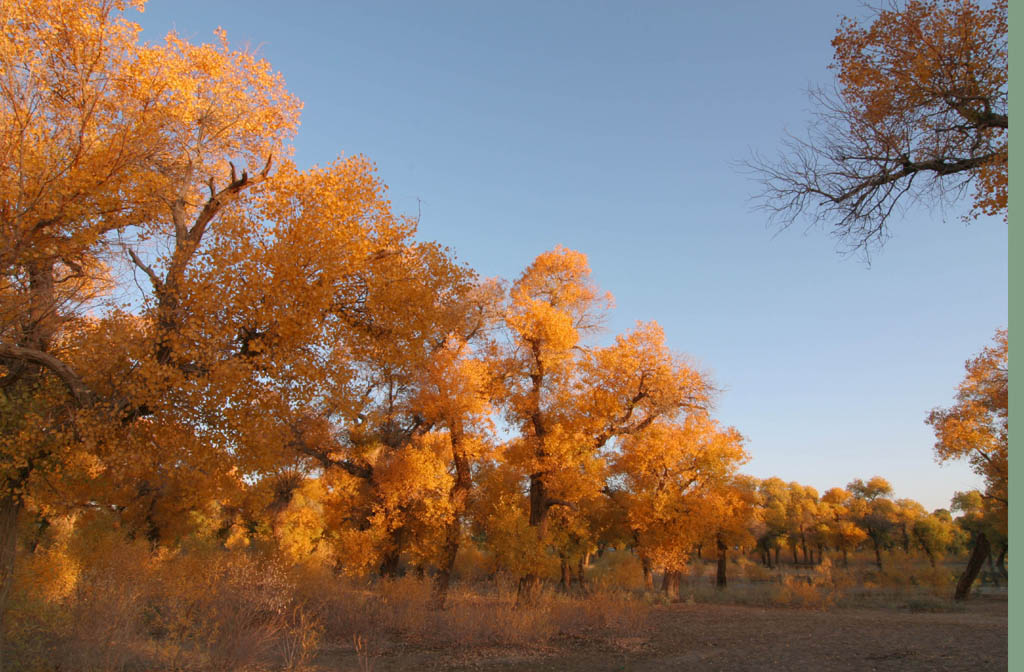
484 615
115 605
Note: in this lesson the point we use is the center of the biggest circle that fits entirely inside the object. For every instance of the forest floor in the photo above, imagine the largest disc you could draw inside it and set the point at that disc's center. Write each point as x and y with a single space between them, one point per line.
684 636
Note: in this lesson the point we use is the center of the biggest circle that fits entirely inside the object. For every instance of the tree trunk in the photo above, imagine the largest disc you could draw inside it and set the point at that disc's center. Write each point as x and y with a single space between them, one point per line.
803 547
776 555
581 577
530 584
529 589
1001 563
444 571
648 574
931 556
796 561
566 582
821 554
390 564
10 510
670 584
979 553
846 558
458 494
878 553
720 580
698 552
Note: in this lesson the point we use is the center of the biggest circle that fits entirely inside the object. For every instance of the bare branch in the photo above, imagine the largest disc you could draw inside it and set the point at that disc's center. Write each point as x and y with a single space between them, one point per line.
148 270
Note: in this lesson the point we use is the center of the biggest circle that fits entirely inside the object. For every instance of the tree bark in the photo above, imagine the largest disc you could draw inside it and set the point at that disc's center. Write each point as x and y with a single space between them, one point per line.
648 574
878 553
458 495
581 577
1001 562
529 584
529 589
723 550
566 582
10 511
670 584
444 571
979 553
390 566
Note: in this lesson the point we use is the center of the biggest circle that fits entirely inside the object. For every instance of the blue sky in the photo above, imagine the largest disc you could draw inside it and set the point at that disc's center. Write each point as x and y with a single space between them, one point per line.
614 129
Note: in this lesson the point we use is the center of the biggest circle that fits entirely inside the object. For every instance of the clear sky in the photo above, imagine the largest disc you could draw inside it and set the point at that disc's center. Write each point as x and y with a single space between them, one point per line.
614 129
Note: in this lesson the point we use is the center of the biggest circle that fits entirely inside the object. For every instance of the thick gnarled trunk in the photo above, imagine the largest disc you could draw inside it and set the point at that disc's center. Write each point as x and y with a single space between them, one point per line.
529 585
979 553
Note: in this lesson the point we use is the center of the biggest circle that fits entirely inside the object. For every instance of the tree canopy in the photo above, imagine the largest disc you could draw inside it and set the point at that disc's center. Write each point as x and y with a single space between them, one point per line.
917 114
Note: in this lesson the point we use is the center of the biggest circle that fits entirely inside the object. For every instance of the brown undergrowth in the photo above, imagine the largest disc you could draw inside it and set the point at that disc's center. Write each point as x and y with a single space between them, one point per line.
98 602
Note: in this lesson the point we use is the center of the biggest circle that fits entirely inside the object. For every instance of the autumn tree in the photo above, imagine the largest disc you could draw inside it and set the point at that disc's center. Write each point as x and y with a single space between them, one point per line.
976 428
677 478
389 391
775 496
568 400
801 516
455 393
908 512
873 511
934 534
975 518
731 513
918 115
843 532
106 138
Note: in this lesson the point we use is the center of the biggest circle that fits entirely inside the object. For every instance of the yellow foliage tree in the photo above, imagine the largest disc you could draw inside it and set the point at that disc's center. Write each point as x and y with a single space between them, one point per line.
106 137
976 428
568 400
675 475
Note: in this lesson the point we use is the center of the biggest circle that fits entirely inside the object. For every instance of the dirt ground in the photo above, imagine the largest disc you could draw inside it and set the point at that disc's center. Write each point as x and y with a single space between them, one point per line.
724 637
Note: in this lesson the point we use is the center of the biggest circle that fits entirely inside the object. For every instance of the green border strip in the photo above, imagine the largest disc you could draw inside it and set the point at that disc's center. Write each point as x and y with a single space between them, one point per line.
1016 310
